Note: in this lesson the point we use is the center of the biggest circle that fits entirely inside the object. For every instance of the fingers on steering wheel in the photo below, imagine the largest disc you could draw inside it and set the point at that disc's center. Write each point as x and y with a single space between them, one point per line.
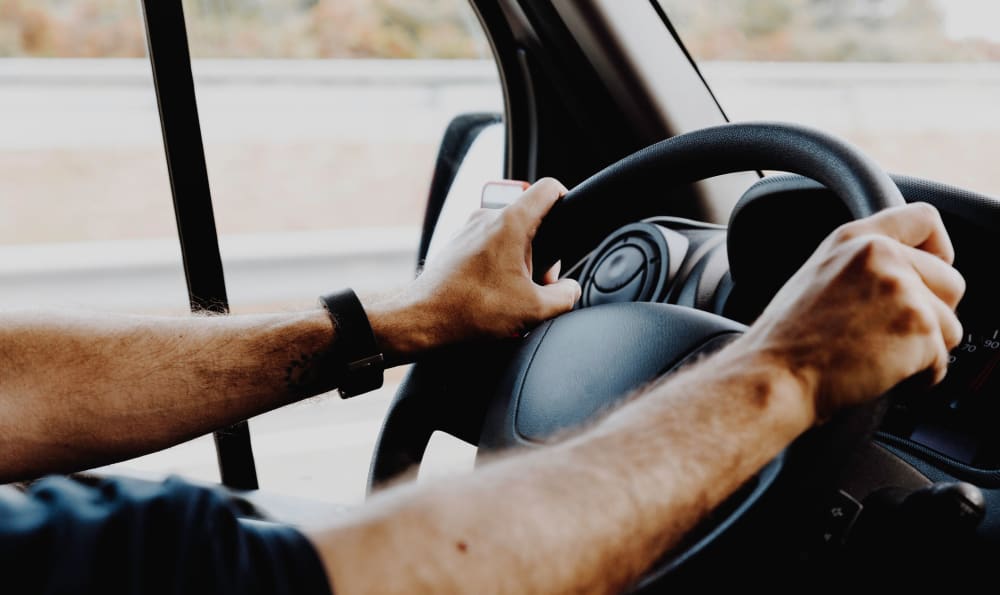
557 298
938 320
535 203
916 224
552 275
951 327
942 279
950 337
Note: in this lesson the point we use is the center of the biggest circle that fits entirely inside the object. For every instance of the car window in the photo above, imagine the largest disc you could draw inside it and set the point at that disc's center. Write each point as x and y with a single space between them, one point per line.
913 82
321 122
86 216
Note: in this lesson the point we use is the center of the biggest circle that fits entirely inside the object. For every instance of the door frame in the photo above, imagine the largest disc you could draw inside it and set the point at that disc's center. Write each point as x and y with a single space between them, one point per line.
170 58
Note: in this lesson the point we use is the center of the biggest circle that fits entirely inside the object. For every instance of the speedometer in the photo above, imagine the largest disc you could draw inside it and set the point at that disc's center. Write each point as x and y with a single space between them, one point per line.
971 365
958 418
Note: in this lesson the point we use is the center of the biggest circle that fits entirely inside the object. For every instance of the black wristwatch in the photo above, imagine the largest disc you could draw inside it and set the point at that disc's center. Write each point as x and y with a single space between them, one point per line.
355 344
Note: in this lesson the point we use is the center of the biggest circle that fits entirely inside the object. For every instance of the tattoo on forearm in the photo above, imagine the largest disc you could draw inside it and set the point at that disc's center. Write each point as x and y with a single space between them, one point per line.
297 372
311 362
310 374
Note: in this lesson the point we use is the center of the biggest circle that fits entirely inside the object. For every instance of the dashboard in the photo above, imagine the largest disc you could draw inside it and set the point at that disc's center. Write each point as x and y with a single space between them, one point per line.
958 418
735 270
927 482
930 445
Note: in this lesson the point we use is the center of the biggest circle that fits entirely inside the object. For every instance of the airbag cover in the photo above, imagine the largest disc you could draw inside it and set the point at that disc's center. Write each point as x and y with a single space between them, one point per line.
576 365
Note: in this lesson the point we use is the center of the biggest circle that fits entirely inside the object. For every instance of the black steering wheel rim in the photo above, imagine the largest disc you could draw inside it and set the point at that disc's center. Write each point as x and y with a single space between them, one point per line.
440 391
582 219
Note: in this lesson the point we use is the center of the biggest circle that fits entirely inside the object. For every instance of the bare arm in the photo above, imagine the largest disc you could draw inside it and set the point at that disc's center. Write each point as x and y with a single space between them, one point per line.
588 515
78 390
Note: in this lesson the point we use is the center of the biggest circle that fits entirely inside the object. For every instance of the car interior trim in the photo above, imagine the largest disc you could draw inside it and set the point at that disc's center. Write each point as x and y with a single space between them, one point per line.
170 58
636 55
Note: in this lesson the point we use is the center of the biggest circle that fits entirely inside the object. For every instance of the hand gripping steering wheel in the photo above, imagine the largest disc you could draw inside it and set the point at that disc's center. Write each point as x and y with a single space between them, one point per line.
518 393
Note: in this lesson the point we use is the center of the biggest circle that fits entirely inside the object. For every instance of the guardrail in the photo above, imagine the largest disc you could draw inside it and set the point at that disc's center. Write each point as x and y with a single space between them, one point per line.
262 270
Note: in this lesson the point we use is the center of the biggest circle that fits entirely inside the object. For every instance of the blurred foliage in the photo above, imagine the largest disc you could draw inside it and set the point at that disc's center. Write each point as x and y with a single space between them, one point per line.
248 28
822 30
82 28
808 30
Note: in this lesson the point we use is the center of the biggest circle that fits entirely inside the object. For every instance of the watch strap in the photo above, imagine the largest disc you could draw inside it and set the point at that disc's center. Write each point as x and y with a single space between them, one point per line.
364 364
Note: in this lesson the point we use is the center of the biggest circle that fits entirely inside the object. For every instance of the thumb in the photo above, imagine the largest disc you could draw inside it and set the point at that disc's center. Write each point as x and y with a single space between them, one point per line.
558 297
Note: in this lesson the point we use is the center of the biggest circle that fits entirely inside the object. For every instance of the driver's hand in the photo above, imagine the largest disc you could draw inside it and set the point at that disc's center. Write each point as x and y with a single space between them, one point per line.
481 284
874 305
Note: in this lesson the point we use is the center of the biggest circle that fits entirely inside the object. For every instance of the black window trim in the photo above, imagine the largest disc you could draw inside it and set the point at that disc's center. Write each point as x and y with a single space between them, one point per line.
170 57
662 13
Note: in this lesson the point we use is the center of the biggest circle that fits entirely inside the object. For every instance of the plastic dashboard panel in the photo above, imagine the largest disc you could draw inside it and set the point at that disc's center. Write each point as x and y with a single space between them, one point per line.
764 249
956 426
951 433
774 228
736 276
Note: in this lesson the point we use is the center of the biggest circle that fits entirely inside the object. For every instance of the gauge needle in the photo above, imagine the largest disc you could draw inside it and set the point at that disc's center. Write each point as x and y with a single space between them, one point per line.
984 374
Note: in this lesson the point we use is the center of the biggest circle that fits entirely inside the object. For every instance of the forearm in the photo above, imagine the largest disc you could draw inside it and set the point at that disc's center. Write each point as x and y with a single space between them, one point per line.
601 506
77 391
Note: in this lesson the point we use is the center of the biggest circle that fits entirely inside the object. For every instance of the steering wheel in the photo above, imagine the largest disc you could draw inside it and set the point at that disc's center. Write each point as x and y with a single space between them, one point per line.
571 368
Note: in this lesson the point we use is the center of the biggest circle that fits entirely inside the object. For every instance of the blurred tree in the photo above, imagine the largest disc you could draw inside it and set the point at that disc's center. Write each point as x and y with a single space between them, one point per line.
248 28
70 28
820 30
824 30
765 17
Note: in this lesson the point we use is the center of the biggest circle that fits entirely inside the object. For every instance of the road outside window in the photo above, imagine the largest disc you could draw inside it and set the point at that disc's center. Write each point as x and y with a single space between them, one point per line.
321 121
86 218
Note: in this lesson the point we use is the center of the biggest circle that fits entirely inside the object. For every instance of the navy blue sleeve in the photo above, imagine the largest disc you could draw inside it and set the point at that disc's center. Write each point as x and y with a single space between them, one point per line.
128 536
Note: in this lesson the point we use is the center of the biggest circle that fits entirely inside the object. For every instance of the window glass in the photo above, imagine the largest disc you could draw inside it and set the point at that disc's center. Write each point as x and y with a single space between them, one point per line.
913 82
86 217
321 121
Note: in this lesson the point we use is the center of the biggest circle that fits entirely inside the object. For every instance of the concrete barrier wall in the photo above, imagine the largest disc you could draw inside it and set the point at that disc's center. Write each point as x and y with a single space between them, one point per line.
870 97
863 97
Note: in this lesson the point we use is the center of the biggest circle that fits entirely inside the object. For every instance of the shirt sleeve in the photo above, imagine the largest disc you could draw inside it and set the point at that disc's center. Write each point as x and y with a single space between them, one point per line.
129 536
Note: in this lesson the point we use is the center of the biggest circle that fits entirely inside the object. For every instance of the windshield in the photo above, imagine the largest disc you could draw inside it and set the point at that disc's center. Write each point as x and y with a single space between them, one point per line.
321 121
913 82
